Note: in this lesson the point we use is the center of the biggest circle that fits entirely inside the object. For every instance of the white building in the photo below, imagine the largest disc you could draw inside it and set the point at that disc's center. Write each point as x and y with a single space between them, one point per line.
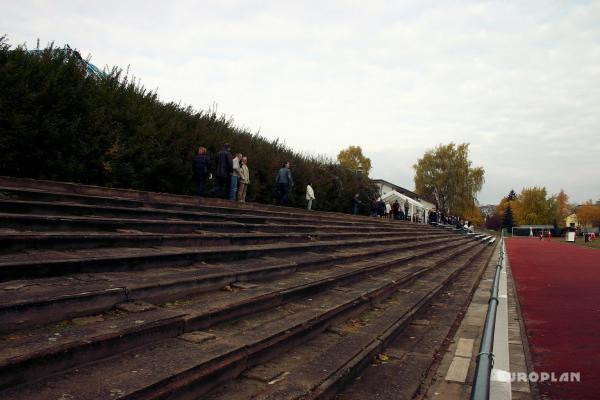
418 208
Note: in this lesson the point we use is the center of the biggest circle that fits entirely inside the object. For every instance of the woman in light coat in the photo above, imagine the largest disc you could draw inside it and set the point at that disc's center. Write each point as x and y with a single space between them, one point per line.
244 180
310 196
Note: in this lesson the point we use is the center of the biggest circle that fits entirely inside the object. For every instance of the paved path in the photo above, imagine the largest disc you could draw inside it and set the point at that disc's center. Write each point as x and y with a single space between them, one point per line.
558 285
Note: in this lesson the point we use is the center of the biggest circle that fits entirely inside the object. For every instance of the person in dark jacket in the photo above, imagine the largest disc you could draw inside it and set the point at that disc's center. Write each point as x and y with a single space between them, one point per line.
284 181
396 210
356 203
202 169
380 208
374 208
223 172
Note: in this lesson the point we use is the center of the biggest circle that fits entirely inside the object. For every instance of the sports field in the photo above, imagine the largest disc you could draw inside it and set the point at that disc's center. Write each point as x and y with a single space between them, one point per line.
558 285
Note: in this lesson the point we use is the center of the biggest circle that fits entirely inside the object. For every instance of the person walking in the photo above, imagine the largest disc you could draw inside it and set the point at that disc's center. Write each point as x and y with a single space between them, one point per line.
235 176
284 181
406 209
202 169
395 209
310 196
356 203
223 171
380 207
244 180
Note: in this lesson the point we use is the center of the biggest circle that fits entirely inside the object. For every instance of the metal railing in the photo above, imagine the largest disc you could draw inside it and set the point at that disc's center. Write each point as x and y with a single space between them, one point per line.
485 358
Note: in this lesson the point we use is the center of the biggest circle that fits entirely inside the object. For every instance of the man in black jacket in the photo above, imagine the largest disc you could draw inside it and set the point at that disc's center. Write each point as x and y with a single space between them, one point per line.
202 169
223 171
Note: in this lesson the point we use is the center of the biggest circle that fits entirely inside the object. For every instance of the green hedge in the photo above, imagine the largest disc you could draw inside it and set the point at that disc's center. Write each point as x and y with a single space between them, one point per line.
58 123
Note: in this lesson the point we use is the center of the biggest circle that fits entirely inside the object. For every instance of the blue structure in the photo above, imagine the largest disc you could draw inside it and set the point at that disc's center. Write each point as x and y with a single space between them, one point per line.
90 68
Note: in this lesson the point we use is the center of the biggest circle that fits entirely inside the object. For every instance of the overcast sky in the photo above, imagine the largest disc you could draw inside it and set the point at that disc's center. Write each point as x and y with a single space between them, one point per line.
520 81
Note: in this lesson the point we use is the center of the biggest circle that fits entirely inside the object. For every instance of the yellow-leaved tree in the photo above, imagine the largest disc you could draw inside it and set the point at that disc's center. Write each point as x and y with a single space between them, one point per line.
354 159
446 176
534 207
588 214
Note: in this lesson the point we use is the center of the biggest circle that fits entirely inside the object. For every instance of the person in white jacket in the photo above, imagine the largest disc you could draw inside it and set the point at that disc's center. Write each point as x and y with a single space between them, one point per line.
310 196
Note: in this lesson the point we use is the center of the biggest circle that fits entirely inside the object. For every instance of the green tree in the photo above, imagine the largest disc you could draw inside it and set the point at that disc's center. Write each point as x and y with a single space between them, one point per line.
354 159
445 175
507 221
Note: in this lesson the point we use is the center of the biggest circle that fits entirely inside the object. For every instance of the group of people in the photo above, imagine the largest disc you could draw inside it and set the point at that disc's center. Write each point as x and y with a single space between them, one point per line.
381 209
231 173
232 176
436 217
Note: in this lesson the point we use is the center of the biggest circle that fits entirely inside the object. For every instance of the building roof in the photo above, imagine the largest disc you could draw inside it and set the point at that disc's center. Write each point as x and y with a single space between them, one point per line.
398 189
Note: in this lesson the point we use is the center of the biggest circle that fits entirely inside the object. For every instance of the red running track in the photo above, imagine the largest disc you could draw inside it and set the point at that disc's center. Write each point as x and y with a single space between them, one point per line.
558 285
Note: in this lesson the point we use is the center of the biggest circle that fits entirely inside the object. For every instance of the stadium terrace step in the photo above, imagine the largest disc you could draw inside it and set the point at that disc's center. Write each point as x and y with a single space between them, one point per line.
409 363
70 209
116 293
26 222
35 354
198 205
321 367
29 302
19 241
27 353
191 364
46 264
79 191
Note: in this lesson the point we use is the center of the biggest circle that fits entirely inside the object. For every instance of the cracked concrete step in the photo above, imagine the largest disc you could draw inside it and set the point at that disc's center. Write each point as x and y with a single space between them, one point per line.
45 264
413 357
31 222
12 242
175 367
28 302
322 366
74 209
181 203
32 356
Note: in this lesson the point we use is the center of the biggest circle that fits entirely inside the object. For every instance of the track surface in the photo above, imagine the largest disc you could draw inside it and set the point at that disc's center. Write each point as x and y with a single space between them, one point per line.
558 286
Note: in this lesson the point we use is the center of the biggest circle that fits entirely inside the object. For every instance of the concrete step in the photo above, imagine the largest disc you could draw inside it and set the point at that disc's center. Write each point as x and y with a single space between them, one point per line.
20 241
32 355
321 367
409 363
243 216
45 263
30 222
190 365
28 356
77 192
29 302
23 201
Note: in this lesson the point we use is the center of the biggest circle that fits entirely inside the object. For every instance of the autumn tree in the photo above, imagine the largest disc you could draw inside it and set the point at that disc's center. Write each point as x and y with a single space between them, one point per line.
588 214
533 207
354 159
474 215
493 222
563 208
445 175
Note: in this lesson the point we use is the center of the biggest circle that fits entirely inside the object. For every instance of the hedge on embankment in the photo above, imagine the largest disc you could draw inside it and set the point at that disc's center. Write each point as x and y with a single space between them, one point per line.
59 123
